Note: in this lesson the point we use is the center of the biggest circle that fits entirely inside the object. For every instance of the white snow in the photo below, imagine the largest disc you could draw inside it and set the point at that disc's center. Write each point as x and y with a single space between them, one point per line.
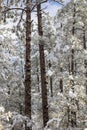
50 73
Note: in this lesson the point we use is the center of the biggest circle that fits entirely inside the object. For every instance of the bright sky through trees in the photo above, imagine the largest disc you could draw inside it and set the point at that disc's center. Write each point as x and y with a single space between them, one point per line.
52 7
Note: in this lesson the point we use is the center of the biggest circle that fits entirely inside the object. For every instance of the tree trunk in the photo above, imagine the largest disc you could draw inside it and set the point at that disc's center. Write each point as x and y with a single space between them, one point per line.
51 86
28 63
68 112
86 87
0 10
37 75
61 85
84 38
74 21
73 32
73 119
85 61
42 68
72 62
51 81
69 69
75 67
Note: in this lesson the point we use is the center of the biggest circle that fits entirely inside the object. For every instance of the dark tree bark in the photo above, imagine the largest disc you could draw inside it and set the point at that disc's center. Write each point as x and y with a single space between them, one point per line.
68 112
72 61
74 21
84 38
86 86
0 10
72 70
69 65
73 119
61 85
51 86
75 67
42 68
73 32
28 63
85 61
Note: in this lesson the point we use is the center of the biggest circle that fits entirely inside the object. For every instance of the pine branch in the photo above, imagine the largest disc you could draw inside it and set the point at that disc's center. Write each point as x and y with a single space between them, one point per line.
13 9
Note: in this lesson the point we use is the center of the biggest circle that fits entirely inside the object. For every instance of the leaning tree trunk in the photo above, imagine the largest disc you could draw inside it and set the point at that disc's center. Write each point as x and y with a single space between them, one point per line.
28 63
42 68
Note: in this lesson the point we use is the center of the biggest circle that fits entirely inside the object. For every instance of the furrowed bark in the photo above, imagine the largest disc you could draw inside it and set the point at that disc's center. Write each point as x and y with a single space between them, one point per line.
28 64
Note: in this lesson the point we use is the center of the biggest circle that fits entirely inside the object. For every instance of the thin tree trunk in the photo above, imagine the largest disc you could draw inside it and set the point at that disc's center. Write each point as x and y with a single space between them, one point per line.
75 66
72 61
86 87
28 63
51 81
74 21
61 85
68 112
0 10
73 69
73 119
51 86
73 32
69 65
42 68
85 61
37 75
84 38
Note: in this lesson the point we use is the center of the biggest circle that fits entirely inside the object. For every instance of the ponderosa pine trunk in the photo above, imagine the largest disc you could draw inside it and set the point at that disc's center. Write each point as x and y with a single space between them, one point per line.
28 63
42 68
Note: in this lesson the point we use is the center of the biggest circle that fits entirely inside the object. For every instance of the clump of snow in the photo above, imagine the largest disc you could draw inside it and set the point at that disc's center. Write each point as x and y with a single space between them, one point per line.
85 51
72 95
57 120
81 23
50 73
71 77
2 109
60 94
1 38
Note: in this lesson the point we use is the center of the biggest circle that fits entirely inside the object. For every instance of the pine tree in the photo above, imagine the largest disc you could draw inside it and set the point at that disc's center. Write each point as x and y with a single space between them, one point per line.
42 67
28 63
